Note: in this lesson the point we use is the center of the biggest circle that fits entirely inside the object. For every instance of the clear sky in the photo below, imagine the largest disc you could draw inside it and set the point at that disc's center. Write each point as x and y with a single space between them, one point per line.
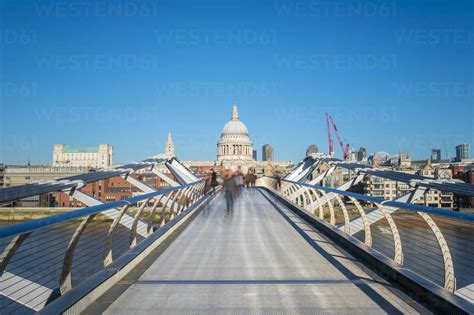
395 75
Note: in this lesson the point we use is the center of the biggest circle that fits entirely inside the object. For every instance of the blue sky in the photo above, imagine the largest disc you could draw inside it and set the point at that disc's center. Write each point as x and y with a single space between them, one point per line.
395 75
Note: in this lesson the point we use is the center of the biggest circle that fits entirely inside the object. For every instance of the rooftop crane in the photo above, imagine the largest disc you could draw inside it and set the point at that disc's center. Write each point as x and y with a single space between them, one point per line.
344 149
331 143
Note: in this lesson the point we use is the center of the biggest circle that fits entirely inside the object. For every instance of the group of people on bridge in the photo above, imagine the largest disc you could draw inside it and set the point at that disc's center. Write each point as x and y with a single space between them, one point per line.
232 184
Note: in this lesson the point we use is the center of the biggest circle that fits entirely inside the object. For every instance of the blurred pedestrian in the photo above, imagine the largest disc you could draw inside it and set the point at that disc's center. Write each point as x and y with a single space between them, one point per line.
239 181
248 179
214 182
278 181
254 180
230 189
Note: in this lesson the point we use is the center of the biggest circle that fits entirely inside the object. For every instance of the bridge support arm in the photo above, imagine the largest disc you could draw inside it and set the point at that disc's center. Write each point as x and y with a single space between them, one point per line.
112 214
65 283
139 184
171 182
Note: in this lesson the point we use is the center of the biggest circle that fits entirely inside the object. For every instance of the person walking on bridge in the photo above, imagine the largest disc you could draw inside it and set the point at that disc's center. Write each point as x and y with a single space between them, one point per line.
214 182
239 182
230 189
278 181
254 180
248 179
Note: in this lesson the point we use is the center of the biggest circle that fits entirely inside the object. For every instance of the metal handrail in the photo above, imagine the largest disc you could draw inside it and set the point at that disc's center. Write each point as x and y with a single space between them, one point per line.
75 181
454 267
458 188
464 216
29 226
36 243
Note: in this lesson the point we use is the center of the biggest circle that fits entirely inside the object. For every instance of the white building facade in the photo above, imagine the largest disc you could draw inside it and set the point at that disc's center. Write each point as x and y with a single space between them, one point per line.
96 157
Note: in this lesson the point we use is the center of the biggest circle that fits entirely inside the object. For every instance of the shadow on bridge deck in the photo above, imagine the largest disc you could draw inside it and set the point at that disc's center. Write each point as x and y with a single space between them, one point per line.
257 259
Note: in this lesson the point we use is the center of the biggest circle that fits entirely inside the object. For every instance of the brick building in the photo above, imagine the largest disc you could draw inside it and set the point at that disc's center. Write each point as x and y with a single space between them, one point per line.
112 189
466 174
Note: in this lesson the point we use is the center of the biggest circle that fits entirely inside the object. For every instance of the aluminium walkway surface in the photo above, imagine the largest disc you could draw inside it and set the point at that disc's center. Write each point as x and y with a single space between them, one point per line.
256 260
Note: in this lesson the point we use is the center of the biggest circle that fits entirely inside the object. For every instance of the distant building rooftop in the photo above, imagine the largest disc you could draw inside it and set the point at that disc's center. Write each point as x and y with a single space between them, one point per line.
68 149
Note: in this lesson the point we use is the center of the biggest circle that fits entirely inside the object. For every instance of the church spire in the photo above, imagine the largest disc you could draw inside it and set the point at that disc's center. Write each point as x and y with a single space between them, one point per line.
235 112
169 147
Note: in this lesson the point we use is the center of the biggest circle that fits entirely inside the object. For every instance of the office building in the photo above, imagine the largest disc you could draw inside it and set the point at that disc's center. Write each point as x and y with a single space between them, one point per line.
362 154
462 152
267 153
435 155
312 149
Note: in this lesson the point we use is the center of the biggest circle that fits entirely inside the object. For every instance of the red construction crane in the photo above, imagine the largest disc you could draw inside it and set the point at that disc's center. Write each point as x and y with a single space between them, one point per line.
344 149
331 143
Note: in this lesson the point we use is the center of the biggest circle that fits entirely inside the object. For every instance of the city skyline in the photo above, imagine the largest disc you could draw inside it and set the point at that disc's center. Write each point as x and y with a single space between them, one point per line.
179 140
97 81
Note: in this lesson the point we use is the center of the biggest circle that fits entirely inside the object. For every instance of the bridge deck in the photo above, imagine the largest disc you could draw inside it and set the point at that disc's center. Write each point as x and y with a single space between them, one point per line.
257 259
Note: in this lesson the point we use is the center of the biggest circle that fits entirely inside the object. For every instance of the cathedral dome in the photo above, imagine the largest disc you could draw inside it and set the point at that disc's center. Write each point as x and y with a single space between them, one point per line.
235 127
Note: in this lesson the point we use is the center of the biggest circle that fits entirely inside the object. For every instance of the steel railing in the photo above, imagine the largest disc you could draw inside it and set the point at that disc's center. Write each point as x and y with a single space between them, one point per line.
45 258
307 166
436 244
76 181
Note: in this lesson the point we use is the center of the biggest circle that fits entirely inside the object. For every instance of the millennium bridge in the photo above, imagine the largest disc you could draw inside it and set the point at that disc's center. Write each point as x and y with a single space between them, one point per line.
290 245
